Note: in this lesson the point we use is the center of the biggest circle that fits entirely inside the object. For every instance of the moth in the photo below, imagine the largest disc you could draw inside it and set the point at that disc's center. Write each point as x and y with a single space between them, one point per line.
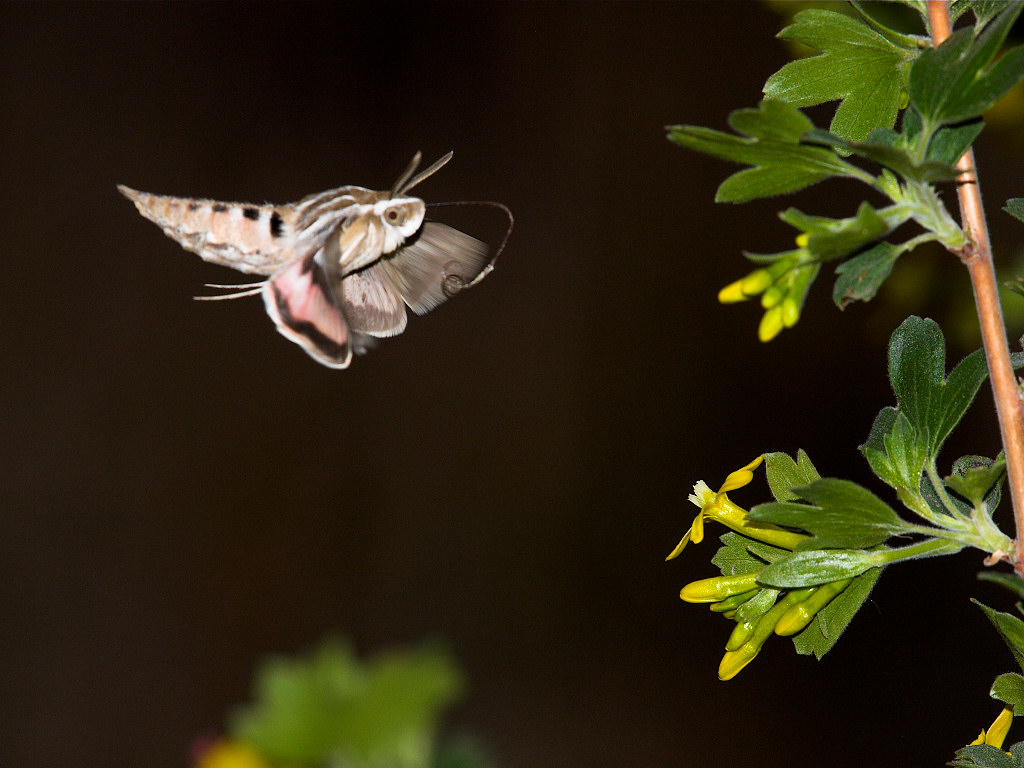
341 265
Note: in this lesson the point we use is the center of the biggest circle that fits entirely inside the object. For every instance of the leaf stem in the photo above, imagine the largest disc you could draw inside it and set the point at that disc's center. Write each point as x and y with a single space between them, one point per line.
977 257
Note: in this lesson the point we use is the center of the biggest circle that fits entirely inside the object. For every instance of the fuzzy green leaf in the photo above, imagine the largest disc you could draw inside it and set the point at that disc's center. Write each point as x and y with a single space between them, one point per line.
839 514
771 143
834 238
784 474
735 557
983 756
816 566
334 709
917 359
978 480
1009 688
1015 207
858 65
955 82
891 150
949 143
822 633
861 276
1010 628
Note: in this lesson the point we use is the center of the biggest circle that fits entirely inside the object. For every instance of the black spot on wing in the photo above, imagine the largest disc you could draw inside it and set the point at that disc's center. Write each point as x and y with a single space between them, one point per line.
276 224
219 207
251 213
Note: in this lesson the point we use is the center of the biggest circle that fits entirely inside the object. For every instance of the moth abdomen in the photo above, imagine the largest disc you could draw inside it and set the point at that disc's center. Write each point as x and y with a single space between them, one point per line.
247 237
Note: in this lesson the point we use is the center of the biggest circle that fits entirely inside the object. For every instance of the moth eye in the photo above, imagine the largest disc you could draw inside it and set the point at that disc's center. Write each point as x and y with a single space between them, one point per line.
394 216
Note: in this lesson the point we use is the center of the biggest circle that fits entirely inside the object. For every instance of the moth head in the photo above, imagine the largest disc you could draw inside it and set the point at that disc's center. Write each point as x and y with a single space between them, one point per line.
401 218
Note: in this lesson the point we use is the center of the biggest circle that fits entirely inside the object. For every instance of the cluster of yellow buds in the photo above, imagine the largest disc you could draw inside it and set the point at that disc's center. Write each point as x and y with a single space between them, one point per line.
782 286
727 594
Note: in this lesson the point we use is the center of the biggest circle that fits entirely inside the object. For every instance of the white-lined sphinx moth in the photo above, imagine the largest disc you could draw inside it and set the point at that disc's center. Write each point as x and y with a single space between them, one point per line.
342 264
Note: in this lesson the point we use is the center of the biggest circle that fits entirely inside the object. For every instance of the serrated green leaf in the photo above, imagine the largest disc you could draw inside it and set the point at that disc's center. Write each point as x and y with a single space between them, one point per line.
858 65
861 276
1015 207
807 569
784 474
334 709
1010 628
822 633
839 514
976 478
983 756
908 452
917 359
772 145
1009 688
950 84
734 558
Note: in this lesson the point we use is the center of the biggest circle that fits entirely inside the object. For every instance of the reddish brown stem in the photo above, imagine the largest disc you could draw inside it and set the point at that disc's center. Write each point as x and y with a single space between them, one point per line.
977 256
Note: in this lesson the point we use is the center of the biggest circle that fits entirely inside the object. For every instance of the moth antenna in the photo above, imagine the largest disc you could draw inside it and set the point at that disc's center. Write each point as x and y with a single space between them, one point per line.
406 174
248 289
504 240
401 190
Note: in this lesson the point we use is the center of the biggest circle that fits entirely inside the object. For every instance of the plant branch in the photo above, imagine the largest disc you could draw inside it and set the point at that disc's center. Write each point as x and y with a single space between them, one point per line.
977 257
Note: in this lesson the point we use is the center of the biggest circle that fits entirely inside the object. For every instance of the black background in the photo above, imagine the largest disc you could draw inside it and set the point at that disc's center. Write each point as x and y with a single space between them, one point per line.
185 491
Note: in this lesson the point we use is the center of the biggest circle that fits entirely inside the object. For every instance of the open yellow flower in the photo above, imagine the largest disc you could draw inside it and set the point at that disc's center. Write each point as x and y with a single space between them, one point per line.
718 506
996 734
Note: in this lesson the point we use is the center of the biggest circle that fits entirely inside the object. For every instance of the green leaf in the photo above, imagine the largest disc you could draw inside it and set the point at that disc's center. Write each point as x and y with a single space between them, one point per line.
784 474
807 569
917 359
858 65
1015 207
861 276
949 143
840 514
834 238
822 633
1009 688
983 756
739 554
891 150
978 480
1010 581
1010 628
772 145
334 709
954 82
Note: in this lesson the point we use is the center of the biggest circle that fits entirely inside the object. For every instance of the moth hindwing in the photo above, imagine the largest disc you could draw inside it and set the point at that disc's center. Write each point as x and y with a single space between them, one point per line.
341 266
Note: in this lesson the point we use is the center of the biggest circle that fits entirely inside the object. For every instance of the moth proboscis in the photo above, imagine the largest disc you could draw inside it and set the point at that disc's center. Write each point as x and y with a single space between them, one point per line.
341 265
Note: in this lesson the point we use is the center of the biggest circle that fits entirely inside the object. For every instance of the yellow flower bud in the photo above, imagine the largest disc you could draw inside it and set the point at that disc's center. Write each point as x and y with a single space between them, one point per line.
732 293
734 661
757 282
803 240
718 588
800 615
740 634
771 324
790 312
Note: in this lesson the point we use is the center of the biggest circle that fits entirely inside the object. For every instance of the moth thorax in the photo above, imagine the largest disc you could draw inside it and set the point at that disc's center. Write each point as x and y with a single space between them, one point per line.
401 217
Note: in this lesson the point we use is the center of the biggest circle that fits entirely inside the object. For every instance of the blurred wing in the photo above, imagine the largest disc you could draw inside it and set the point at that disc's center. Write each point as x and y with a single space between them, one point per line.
301 303
435 266
371 303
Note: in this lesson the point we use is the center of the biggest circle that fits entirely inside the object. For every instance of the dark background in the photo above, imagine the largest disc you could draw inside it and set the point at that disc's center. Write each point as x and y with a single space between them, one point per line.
185 491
